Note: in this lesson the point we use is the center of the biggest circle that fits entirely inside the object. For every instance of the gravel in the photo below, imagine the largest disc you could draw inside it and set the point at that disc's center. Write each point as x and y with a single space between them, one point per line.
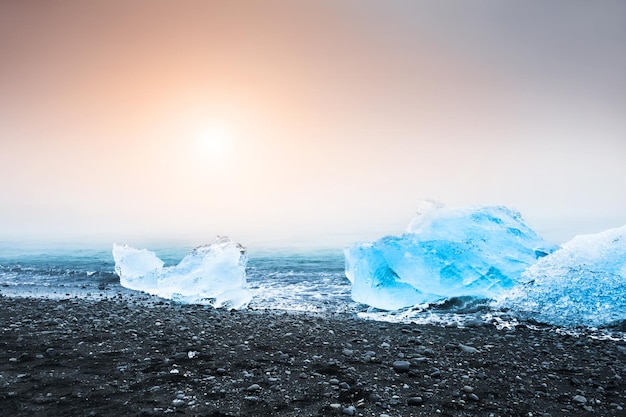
122 357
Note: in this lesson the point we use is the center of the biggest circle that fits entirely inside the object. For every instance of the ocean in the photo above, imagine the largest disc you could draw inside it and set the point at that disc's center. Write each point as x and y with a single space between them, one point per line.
311 281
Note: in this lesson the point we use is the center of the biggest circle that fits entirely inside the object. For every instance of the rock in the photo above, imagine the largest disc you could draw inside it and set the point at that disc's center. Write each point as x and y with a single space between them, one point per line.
414 401
472 324
401 366
349 411
347 352
461 383
374 397
178 403
468 349
579 399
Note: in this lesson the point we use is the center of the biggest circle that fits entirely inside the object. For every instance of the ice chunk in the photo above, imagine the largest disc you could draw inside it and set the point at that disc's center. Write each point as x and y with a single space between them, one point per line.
447 252
581 284
138 269
213 274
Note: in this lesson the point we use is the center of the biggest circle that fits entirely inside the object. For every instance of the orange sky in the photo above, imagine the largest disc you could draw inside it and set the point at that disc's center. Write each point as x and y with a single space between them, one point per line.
333 118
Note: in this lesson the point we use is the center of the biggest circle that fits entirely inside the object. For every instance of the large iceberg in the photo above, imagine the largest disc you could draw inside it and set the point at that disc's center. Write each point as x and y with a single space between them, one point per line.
212 274
446 252
581 284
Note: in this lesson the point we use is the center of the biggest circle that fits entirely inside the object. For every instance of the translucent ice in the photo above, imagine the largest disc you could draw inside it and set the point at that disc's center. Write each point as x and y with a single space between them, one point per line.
212 274
446 252
581 284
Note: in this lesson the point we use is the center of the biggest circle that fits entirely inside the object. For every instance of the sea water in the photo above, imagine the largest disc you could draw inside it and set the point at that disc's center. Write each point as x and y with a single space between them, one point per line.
291 280
311 280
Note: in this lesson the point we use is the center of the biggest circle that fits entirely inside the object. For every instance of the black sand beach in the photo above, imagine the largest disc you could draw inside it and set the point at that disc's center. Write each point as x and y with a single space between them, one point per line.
121 357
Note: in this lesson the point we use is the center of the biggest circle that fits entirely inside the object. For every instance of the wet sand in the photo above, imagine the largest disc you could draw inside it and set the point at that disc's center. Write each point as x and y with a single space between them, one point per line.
119 356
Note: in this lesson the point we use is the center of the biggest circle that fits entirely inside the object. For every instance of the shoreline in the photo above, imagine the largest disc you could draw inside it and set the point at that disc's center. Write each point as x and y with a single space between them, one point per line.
128 356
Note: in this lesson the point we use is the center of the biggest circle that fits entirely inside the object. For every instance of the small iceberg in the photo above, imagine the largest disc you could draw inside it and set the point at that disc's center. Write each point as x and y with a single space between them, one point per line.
446 252
212 274
581 284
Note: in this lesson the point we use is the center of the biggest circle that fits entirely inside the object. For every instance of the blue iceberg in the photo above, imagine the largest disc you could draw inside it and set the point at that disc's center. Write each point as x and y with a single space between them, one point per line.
581 284
212 274
446 252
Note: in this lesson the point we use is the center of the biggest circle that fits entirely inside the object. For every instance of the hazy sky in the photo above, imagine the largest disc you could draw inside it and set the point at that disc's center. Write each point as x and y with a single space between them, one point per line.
306 121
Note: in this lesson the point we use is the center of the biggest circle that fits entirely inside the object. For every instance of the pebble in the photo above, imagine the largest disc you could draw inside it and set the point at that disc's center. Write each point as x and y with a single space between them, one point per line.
401 366
349 411
347 352
474 323
468 349
178 403
432 378
414 401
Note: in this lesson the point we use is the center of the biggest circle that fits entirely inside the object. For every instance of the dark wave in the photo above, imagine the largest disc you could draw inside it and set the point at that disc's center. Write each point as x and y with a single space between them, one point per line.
63 275
462 305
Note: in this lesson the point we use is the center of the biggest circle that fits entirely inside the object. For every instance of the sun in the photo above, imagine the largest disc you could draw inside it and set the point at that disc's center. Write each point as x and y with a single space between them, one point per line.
213 141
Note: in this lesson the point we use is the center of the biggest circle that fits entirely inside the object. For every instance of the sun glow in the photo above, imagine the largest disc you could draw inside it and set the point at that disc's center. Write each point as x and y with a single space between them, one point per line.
213 141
